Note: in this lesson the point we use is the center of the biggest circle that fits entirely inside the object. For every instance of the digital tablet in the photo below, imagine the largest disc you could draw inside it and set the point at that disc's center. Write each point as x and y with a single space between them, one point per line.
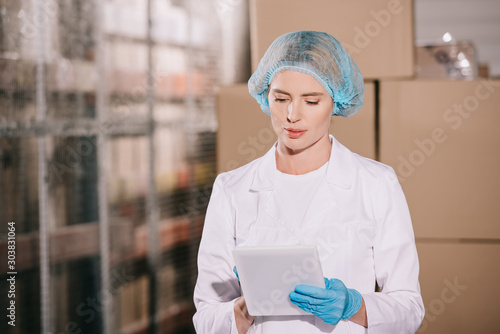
269 273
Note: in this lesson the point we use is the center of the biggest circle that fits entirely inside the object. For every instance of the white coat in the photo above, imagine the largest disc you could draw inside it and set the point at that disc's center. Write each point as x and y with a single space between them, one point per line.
360 221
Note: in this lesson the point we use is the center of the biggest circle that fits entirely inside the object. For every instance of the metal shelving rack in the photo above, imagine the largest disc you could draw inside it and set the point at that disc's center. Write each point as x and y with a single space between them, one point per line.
169 223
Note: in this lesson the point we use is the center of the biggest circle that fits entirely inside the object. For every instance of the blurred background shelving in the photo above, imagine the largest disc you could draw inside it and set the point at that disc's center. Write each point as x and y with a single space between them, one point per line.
120 87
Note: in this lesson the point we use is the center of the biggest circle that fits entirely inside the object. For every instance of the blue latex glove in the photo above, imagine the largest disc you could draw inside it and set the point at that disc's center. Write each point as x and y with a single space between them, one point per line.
332 304
236 272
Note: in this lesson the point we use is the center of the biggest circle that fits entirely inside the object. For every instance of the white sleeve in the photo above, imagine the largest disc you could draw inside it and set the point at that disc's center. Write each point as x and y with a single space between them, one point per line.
398 308
217 286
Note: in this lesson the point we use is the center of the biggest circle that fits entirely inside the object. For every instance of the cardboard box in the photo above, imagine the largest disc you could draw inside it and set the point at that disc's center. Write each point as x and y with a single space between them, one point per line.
358 132
460 287
442 139
245 132
377 33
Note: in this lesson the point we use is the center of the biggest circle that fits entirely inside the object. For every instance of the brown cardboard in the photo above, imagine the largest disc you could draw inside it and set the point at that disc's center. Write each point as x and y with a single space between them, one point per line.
245 132
377 33
357 132
442 139
460 287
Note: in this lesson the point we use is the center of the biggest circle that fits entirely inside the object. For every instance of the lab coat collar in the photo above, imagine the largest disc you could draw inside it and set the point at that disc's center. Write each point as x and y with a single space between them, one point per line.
340 171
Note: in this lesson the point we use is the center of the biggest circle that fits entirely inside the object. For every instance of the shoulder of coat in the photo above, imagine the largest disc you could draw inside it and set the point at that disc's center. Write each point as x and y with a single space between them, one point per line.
374 168
239 175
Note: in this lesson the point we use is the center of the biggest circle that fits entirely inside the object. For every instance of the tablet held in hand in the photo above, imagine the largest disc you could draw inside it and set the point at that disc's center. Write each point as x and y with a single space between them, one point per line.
269 273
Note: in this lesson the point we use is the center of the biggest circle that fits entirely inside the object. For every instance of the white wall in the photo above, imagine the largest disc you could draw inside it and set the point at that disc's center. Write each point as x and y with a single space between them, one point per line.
476 20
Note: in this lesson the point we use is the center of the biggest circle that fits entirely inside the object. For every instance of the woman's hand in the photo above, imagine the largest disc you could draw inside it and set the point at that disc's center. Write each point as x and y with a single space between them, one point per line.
241 316
332 304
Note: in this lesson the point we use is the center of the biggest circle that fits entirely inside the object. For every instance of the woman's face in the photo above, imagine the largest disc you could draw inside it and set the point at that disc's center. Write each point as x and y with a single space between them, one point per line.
301 111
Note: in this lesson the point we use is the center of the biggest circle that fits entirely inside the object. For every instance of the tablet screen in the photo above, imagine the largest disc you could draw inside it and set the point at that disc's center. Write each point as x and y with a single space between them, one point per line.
269 273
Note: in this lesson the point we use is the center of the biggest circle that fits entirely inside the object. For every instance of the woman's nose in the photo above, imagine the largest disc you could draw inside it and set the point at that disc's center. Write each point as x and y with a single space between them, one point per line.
293 113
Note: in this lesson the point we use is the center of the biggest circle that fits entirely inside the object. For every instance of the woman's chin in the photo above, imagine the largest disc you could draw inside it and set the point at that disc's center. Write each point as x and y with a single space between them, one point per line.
294 146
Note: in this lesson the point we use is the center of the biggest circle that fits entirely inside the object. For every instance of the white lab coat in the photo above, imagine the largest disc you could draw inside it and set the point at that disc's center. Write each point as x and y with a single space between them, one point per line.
360 221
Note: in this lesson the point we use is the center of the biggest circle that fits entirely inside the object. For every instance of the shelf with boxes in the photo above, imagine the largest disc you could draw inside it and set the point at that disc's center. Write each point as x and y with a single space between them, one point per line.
171 320
93 98
173 292
74 76
82 240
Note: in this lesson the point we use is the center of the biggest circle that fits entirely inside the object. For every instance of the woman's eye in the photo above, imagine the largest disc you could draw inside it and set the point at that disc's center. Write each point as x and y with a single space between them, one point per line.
312 102
279 100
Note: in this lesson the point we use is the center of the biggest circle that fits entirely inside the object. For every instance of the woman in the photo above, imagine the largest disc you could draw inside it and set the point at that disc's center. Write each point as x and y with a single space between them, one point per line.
309 189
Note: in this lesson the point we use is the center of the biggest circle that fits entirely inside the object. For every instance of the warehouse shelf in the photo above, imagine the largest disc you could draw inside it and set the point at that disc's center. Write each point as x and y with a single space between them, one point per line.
82 240
119 110
77 76
114 37
114 125
176 317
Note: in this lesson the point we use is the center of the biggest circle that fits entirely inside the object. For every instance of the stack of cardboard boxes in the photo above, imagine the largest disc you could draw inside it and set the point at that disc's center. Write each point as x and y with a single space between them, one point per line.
441 138
438 135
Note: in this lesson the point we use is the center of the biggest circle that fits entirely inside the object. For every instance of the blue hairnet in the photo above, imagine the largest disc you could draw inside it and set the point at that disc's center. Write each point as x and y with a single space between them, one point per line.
319 55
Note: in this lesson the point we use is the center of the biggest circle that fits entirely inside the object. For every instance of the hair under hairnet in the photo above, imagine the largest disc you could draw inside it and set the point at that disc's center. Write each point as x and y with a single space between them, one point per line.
319 55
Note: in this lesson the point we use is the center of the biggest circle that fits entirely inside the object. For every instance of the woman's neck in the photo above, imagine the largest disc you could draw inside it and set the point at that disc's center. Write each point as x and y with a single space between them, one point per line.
304 161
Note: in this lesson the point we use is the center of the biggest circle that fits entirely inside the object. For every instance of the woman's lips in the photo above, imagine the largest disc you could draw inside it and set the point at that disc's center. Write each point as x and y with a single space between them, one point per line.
294 133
